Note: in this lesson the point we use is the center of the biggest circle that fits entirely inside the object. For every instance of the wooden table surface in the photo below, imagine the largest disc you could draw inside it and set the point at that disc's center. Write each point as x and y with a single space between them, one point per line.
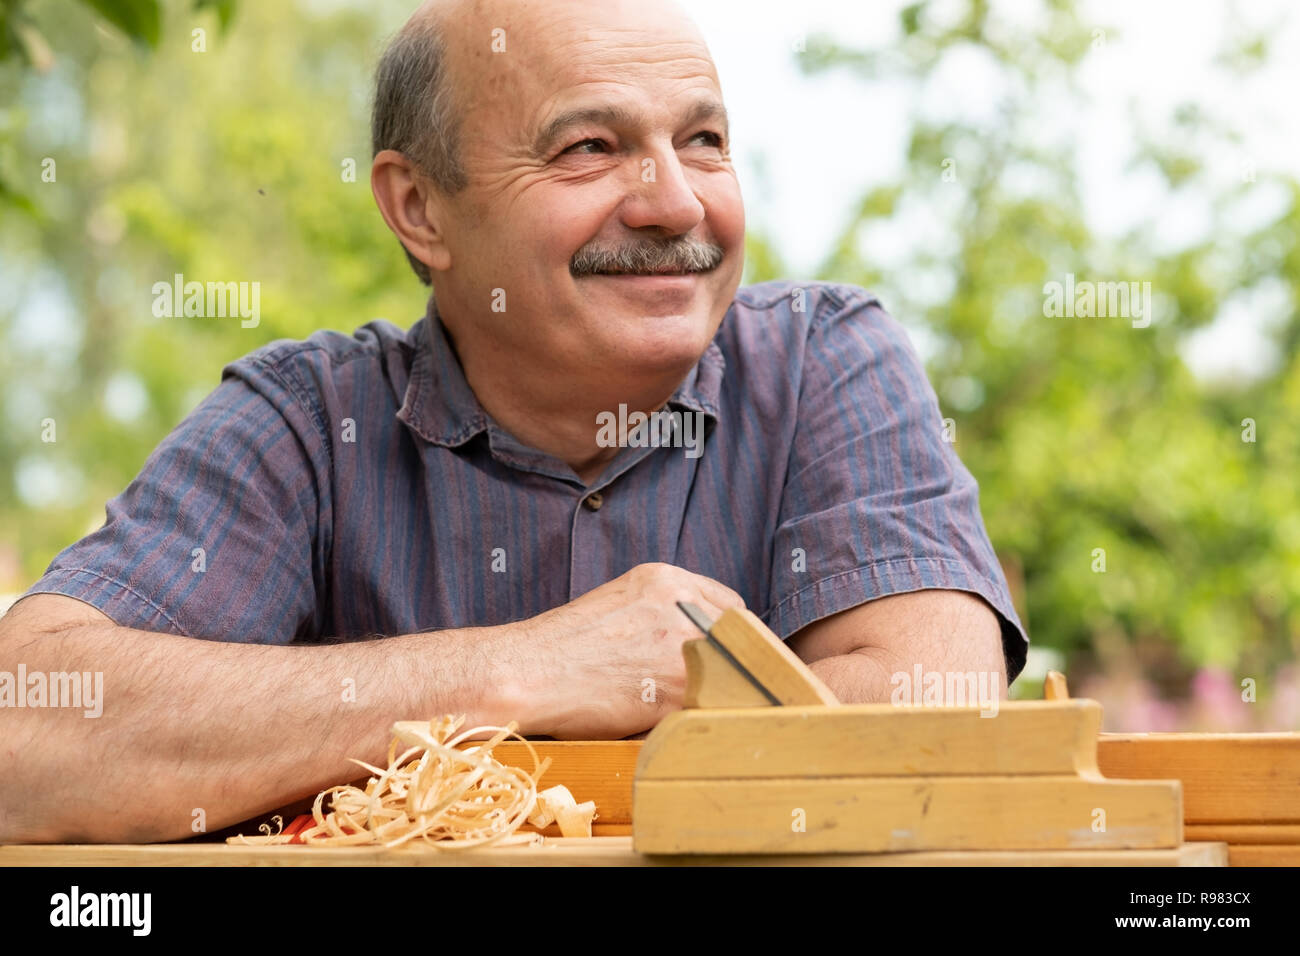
1240 806
559 851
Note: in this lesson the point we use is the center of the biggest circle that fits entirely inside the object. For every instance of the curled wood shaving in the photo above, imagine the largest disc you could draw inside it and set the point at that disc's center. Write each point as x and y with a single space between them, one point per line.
557 805
267 838
431 793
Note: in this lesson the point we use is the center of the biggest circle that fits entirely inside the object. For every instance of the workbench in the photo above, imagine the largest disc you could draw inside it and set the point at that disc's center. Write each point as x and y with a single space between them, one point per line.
764 767
1241 798
574 851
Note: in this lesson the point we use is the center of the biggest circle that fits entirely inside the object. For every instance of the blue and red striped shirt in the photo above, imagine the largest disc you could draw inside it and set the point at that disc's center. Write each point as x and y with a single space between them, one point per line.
348 486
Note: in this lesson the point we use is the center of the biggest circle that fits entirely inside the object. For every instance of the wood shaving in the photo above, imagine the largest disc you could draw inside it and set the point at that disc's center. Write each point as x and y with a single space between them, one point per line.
434 794
557 805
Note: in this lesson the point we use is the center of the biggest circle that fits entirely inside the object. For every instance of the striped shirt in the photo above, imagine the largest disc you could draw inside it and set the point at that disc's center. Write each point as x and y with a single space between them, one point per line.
349 486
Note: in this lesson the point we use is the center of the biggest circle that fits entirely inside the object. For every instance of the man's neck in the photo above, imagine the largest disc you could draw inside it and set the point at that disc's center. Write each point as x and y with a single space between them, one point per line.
559 420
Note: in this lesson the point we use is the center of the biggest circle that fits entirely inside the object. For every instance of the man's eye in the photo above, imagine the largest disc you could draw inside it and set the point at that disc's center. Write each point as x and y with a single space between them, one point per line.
578 147
714 138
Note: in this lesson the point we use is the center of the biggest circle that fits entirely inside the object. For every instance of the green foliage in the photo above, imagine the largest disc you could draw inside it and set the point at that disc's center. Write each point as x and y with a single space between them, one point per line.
141 20
22 40
224 9
1088 433
226 165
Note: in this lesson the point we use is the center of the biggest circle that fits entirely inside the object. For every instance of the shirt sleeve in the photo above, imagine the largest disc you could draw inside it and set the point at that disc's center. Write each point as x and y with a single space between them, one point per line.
876 502
216 536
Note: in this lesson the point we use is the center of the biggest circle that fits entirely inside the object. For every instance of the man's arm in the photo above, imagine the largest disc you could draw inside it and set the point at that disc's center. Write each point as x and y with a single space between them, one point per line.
236 729
857 652
232 729
878 508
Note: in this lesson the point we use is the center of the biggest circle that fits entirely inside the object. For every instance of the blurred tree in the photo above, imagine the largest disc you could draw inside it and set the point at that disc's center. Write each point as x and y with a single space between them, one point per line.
21 40
1090 437
221 164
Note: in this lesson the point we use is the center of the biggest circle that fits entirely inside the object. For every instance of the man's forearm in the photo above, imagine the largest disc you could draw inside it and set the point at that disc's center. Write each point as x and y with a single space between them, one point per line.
229 729
872 653
873 676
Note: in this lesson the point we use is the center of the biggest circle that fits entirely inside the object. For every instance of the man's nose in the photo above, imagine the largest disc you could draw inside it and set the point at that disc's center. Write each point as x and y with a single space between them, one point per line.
661 195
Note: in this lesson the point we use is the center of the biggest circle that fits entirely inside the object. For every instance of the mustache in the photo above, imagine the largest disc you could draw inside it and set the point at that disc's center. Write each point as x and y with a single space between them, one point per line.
679 254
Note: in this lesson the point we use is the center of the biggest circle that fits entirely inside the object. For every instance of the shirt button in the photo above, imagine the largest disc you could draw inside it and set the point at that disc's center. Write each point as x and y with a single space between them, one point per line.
594 500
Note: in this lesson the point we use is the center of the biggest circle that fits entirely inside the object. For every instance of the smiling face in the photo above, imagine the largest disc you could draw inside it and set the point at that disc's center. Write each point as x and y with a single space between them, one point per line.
601 193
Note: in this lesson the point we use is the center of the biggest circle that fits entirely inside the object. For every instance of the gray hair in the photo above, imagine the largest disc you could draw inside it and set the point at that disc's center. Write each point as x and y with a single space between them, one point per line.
414 113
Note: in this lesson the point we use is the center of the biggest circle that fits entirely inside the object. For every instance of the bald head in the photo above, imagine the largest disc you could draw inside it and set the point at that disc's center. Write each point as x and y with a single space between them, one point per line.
445 64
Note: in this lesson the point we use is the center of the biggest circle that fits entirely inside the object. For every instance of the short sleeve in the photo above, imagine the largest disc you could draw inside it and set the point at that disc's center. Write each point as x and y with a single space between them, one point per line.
216 537
876 502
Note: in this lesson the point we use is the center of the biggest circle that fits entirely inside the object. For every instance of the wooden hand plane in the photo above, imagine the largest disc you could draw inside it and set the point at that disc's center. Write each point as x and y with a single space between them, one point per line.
764 759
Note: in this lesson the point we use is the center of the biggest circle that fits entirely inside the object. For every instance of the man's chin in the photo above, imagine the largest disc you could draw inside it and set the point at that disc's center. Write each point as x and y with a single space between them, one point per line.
652 323
650 343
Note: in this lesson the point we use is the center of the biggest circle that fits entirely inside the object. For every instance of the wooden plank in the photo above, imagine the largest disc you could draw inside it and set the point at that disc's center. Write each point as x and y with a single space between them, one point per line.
1227 778
711 680
767 657
599 770
1256 855
863 740
878 814
598 851
1263 833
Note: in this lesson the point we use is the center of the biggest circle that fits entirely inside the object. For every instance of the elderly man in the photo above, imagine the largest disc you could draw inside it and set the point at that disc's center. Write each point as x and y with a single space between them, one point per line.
560 173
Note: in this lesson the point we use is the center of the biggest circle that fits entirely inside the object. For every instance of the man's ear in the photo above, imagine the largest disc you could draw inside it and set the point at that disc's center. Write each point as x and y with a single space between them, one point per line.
411 206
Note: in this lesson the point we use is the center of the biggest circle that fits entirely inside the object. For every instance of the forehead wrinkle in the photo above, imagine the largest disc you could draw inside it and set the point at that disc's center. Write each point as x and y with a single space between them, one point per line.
556 37
609 55
576 57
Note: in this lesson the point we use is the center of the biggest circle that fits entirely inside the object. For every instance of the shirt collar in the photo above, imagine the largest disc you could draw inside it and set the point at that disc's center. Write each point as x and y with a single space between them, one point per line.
441 408
439 405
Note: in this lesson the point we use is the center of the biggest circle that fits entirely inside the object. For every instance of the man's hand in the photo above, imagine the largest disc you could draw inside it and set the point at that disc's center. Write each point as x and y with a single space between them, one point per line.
609 664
